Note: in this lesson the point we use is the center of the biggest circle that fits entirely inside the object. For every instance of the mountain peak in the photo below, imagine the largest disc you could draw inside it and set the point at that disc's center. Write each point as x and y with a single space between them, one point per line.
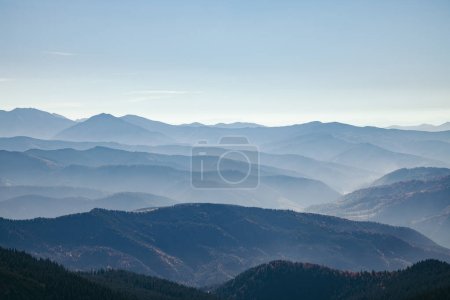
194 124
108 128
102 116
18 109
237 125
34 111
31 122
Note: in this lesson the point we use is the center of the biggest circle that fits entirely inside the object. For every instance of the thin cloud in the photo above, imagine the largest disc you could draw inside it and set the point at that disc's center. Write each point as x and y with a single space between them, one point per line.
4 79
161 92
149 97
59 53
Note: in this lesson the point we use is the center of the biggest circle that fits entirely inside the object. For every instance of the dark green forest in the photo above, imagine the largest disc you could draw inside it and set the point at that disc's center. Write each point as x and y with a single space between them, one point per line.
429 279
25 277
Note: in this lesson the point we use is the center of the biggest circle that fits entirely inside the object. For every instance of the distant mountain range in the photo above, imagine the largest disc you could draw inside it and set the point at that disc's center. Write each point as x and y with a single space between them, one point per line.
377 159
424 127
340 177
341 156
23 143
170 176
29 206
418 198
211 245
317 140
9 191
423 174
237 125
131 129
372 150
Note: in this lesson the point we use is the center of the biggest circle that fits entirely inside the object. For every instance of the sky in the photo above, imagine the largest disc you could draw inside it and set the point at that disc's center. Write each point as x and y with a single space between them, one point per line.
272 62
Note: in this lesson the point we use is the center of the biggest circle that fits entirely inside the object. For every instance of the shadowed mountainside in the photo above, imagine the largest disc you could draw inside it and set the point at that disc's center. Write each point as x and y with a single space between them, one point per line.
422 203
288 281
211 246
25 277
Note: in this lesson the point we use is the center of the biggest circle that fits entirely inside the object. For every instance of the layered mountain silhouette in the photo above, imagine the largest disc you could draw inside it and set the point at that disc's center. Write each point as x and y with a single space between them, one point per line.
11 191
295 139
23 143
341 136
340 177
170 176
202 244
321 146
377 159
104 192
361 155
343 156
423 174
424 127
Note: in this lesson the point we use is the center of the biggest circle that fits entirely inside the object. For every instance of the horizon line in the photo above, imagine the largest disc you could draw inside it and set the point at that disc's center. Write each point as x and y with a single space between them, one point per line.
261 124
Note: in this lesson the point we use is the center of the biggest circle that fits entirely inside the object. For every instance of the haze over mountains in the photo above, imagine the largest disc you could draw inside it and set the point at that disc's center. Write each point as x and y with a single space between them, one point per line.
424 127
418 198
358 154
121 171
117 192
29 206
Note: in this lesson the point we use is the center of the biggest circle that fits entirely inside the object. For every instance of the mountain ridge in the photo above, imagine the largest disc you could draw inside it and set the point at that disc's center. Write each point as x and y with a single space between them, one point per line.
32 122
288 281
107 128
211 245
422 202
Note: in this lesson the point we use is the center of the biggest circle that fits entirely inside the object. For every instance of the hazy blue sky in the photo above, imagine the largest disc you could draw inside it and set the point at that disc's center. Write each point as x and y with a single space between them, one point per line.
273 62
